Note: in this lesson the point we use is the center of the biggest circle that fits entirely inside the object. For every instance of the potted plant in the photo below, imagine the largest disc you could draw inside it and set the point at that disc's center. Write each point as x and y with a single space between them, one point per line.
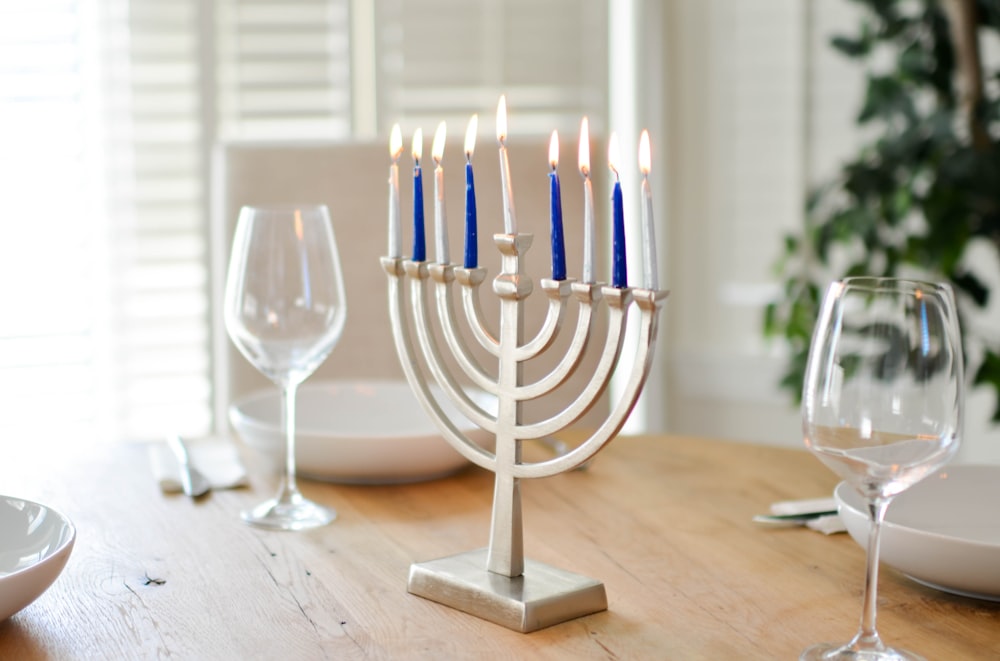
922 195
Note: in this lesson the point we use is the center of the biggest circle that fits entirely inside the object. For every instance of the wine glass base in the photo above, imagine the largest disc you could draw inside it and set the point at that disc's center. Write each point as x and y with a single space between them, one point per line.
835 652
302 514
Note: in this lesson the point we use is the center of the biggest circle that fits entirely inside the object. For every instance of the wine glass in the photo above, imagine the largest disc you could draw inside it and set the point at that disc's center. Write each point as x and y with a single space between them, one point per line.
284 310
882 407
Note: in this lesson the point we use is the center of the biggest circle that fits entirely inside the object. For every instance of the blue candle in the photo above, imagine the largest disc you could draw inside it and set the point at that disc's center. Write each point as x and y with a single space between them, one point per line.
555 212
419 249
619 276
619 269
471 231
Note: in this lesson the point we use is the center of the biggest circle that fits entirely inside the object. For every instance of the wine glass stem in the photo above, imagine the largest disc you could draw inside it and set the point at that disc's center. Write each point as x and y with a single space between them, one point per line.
868 637
289 488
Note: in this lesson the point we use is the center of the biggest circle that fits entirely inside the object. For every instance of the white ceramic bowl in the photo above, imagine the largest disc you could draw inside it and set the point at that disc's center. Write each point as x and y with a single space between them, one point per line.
35 542
359 432
943 531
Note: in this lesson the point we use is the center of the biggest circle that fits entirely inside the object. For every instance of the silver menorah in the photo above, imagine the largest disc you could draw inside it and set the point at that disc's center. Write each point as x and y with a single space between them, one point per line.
498 583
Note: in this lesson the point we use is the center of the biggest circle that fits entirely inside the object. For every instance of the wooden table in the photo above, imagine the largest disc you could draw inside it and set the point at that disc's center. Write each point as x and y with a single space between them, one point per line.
663 521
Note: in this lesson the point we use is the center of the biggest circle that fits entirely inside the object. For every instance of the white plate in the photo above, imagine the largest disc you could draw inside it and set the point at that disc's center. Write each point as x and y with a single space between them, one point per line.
35 542
359 432
943 531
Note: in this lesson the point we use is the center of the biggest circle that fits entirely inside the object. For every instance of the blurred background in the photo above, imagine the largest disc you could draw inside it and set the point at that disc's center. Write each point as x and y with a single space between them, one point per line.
113 112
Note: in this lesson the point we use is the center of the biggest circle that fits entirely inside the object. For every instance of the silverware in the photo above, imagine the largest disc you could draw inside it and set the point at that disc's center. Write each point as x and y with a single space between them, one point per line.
790 520
193 482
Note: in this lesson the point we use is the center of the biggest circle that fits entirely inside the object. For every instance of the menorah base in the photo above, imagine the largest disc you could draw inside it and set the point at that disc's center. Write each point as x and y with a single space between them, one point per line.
542 596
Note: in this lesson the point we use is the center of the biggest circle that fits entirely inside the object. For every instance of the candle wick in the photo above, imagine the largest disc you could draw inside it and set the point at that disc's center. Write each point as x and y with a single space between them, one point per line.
468 157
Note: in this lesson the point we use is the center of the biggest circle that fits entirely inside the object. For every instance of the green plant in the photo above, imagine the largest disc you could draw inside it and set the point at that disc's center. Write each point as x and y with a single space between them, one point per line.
923 188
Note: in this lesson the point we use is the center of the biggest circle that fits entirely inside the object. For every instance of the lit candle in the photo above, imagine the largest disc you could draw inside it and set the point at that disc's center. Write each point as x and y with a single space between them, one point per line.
471 231
589 229
555 212
440 221
648 234
619 269
395 149
509 219
419 250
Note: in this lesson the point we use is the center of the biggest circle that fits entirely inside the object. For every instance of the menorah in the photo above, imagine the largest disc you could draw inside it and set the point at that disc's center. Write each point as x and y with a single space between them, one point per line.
498 583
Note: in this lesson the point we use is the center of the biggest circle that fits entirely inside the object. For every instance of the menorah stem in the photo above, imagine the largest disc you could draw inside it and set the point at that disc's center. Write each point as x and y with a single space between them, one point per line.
506 550
506 555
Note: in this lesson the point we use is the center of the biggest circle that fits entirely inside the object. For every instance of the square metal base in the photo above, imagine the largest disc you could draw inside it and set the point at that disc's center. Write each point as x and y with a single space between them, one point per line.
540 597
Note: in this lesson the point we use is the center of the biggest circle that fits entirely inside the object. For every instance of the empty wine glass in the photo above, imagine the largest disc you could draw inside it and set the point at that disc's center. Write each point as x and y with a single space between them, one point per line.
882 407
284 310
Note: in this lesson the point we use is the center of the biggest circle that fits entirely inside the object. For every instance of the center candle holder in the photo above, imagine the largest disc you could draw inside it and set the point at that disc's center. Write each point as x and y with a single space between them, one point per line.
498 583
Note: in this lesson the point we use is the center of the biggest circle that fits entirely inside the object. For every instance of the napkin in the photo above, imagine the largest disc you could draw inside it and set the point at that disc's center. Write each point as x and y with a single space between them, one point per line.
828 524
216 458
804 506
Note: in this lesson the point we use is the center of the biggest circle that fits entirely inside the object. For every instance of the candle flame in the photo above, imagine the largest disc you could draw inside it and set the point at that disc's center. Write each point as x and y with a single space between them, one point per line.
470 137
554 150
584 153
645 159
437 147
418 145
502 119
614 154
297 224
395 143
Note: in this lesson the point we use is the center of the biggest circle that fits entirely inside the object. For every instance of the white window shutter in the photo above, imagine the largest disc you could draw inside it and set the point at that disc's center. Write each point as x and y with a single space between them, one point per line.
283 69
106 333
445 60
159 343
108 109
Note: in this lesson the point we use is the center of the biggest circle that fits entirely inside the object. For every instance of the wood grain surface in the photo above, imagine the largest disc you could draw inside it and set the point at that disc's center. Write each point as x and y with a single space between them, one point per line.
663 521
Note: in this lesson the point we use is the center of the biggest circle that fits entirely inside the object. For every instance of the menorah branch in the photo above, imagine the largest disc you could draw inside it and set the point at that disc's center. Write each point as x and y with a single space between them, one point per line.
418 272
394 268
444 276
617 300
585 294
649 303
471 279
557 291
